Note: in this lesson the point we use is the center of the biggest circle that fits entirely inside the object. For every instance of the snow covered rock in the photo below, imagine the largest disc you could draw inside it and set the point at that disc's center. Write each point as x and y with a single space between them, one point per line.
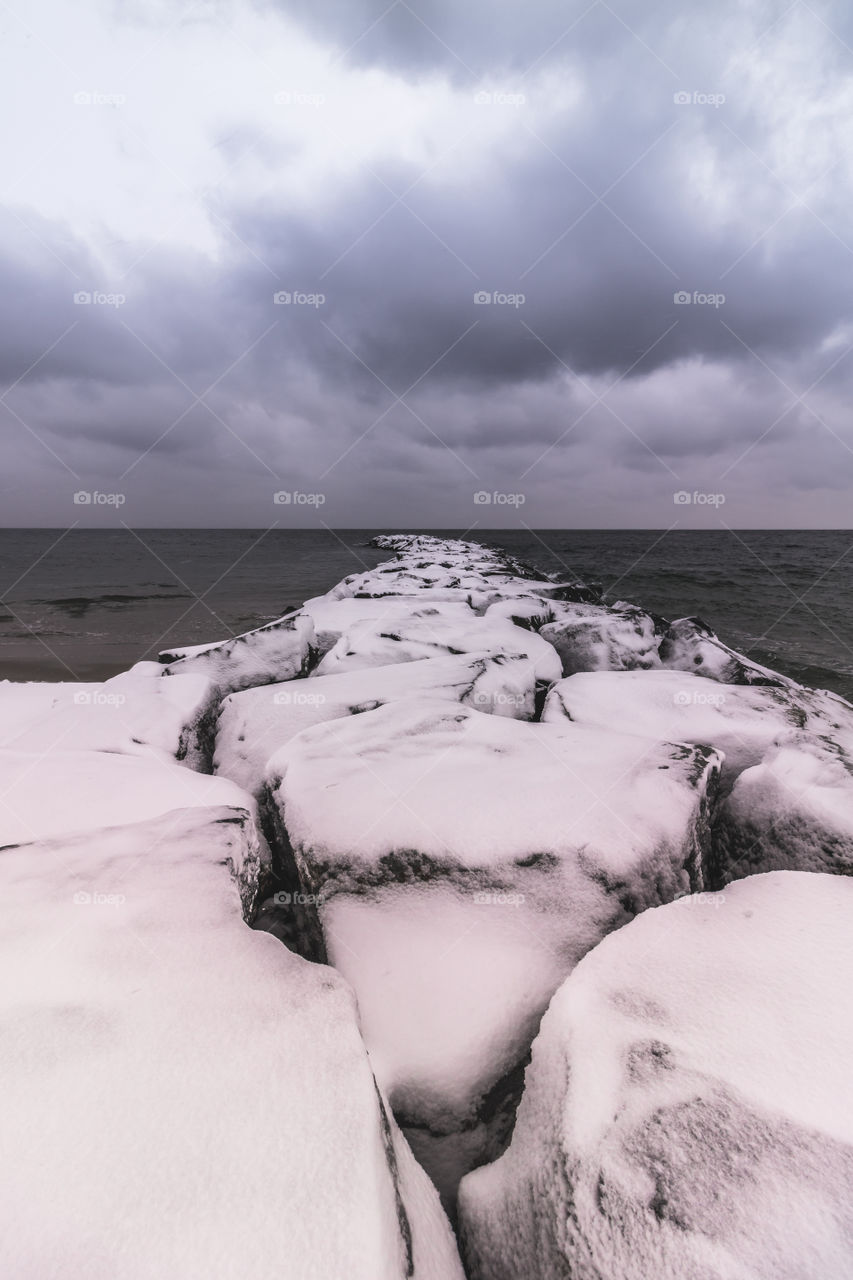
462 864
786 796
689 644
134 713
333 618
687 1114
604 638
451 569
278 651
53 792
428 635
180 1095
257 722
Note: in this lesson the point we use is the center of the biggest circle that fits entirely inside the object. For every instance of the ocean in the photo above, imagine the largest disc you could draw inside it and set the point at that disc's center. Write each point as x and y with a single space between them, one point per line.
89 603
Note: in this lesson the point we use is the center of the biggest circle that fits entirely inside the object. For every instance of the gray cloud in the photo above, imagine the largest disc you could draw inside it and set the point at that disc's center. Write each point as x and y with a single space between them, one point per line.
694 197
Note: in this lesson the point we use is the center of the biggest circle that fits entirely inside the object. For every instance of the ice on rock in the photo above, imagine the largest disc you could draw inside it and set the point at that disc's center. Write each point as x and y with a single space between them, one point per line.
136 712
786 796
278 651
690 645
590 637
407 638
180 1096
687 1114
257 722
463 864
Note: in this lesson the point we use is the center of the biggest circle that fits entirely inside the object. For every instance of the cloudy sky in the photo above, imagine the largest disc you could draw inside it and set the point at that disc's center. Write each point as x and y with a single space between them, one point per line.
427 263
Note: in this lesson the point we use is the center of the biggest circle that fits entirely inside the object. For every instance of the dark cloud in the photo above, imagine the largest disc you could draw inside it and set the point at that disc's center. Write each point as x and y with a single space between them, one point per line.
600 200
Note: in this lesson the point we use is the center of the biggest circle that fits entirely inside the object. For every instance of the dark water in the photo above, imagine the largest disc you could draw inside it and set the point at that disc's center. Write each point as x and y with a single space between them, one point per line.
96 601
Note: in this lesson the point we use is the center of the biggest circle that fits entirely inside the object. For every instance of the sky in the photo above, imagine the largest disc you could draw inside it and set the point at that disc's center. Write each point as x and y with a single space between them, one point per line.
424 264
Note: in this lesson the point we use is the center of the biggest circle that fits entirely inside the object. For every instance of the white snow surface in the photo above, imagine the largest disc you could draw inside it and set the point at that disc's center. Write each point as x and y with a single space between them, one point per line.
134 713
464 863
689 644
278 651
687 1114
788 769
51 793
254 724
407 638
592 637
180 1096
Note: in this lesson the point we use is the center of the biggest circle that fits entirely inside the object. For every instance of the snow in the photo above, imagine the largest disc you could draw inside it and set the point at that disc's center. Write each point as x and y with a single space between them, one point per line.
466 862
604 638
689 644
405 639
134 713
254 724
687 1112
181 1096
787 783
278 651
332 618
54 792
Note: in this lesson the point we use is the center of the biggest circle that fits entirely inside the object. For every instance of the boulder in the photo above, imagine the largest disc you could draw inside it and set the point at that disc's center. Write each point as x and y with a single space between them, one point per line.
786 795
461 864
134 713
279 651
687 1113
604 638
254 724
428 635
181 1096
689 644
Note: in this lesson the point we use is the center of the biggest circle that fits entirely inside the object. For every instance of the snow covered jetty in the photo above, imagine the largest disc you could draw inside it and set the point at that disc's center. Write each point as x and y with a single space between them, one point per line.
551 941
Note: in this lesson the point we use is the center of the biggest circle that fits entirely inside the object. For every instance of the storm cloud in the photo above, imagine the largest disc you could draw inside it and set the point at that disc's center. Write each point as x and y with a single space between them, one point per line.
592 254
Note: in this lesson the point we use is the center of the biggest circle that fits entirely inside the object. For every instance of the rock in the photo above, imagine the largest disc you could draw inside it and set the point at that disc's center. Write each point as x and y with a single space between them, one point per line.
134 713
278 651
257 722
690 645
461 865
450 569
407 638
604 638
687 1114
332 618
53 793
183 1096
786 795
